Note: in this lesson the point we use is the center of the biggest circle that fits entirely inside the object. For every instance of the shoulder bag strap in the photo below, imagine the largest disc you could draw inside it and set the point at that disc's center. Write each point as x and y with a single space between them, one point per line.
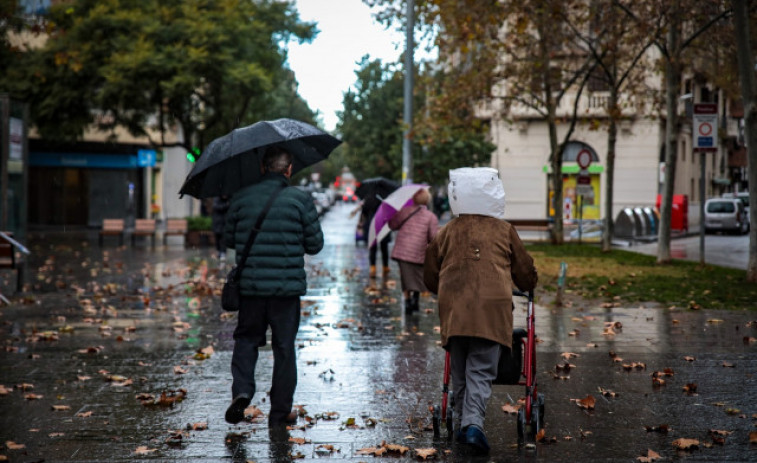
255 230
408 217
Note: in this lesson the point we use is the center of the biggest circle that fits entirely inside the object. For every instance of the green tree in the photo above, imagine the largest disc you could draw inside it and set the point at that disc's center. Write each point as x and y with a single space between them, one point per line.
371 121
145 65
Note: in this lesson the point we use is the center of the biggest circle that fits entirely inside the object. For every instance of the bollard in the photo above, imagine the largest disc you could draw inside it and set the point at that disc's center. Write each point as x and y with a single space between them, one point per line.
561 283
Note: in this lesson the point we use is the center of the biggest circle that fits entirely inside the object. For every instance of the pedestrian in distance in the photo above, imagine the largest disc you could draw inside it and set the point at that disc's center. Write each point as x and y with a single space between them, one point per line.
271 283
367 209
473 265
416 226
220 206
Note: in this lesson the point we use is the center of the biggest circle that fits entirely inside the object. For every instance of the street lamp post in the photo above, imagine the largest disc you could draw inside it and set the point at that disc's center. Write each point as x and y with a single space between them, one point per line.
407 154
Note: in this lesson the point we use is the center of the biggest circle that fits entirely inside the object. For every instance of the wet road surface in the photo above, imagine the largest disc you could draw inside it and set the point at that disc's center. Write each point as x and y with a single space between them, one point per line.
108 330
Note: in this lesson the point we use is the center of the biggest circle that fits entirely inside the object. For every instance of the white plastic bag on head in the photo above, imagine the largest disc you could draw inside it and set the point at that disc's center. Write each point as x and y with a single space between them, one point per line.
476 190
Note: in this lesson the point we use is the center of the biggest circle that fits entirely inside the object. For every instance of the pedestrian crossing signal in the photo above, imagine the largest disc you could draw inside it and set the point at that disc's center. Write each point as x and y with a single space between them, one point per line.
194 155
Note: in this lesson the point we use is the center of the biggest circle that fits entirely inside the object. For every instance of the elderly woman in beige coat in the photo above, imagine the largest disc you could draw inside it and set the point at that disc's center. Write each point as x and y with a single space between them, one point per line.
473 264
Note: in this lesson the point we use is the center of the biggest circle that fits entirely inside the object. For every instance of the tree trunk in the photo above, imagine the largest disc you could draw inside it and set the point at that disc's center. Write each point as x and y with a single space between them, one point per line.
612 138
672 88
749 95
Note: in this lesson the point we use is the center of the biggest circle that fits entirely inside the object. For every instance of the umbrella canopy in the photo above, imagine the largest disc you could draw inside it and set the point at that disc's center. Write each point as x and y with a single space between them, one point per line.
401 197
376 186
232 162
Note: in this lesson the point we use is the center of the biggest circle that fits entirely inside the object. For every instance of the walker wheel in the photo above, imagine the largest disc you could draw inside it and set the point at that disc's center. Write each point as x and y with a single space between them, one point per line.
436 421
449 424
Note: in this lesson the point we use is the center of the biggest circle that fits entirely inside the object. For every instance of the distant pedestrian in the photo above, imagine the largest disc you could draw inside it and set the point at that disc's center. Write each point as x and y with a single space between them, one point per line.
368 210
441 204
416 226
473 265
220 206
272 282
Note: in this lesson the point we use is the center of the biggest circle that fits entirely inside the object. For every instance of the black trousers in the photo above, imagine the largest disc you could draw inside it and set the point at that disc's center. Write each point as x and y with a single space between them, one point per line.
384 252
282 314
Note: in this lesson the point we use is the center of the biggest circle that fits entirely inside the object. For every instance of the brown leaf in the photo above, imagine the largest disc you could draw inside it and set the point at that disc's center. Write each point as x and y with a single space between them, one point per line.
143 450
586 403
61 408
651 456
510 409
690 388
4 390
689 358
686 444
201 426
425 453
540 435
31 396
86 414
299 440
569 355
10 445
753 437
401 449
729 365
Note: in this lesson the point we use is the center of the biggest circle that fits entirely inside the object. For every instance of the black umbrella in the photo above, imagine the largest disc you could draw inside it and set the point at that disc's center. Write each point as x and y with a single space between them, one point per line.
377 186
232 162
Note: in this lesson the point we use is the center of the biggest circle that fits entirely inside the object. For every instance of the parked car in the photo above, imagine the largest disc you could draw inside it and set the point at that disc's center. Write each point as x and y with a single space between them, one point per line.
726 215
744 197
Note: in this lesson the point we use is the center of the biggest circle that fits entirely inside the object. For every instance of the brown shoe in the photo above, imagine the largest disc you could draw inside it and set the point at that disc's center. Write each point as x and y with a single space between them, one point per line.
386 271
372 272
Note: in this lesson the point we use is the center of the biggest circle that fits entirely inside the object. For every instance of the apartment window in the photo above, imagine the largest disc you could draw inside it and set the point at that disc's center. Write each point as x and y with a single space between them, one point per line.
692 188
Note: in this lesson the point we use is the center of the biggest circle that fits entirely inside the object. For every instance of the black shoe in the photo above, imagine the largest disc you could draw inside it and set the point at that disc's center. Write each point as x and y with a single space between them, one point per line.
415 301
235 412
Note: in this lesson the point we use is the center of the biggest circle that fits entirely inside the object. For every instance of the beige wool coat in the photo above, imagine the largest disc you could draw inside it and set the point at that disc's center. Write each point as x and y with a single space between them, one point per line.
472 264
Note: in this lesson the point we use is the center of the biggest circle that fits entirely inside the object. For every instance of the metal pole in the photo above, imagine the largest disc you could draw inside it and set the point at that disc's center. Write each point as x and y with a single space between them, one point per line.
407 154
702 169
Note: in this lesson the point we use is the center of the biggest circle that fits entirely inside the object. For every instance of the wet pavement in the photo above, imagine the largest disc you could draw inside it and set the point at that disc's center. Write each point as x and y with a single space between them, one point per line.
103 332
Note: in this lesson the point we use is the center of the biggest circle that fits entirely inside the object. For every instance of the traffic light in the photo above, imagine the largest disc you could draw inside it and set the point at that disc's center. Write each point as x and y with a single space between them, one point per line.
194 155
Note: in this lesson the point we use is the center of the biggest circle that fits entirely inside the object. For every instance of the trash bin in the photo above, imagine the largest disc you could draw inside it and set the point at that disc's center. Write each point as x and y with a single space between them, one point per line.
679 217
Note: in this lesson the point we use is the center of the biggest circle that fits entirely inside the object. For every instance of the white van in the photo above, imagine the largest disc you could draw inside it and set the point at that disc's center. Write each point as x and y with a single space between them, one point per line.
726 215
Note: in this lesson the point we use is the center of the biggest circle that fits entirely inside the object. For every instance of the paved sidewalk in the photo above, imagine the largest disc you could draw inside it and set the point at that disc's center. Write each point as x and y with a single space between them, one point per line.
367 372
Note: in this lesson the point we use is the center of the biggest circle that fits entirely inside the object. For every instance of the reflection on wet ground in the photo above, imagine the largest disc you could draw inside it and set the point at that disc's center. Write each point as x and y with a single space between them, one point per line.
367 372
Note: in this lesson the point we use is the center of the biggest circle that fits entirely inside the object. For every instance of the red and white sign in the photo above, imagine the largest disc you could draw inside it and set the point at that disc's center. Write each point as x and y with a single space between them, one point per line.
583 158
705 123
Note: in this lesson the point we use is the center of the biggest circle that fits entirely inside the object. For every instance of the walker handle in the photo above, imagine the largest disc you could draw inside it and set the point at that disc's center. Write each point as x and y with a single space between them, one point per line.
529 295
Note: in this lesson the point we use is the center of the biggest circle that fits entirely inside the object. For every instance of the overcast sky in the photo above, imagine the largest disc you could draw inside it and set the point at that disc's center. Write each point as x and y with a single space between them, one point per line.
325 68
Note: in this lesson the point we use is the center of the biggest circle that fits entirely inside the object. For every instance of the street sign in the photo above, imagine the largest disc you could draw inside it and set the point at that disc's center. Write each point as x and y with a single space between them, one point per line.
705 130
146 158
583 158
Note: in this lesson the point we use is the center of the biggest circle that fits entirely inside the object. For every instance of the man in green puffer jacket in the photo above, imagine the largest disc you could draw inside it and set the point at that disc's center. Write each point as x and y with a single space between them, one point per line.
272 281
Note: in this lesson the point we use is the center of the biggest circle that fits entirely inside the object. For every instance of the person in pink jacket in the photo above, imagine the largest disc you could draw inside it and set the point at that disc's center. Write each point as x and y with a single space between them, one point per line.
416 226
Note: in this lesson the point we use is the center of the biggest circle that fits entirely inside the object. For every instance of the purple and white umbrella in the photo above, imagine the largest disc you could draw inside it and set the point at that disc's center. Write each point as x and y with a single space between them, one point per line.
401 197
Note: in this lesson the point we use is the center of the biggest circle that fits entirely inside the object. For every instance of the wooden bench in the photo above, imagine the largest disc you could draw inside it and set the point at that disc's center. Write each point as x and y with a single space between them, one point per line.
175 227
535 225
113 227
8 259
143 227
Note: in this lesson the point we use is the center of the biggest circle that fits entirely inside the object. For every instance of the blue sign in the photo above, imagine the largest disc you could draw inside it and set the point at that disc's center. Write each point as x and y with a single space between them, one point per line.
705 142
146 158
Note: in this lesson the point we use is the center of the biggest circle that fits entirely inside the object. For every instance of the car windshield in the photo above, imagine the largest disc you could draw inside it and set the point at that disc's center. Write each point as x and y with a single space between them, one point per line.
721 207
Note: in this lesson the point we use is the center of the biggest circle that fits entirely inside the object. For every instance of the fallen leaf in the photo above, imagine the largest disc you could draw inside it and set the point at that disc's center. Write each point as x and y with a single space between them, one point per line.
61 408
729 365
569 355
201 426
299 440
510 409
686 444
540 435
425 453
690 388
143 450
86 414
586 403
753 437
31 396
688 358
10 445
651 456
